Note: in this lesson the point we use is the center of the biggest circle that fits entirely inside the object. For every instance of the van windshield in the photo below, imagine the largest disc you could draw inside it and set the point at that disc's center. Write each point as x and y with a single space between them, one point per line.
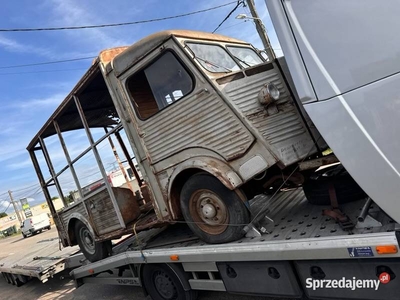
213 58
247 57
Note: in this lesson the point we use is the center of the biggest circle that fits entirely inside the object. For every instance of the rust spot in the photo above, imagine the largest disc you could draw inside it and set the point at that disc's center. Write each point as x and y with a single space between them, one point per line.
254 115
220 175
108 55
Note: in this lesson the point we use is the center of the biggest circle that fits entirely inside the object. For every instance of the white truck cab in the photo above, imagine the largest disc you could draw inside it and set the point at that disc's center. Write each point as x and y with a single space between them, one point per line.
35 224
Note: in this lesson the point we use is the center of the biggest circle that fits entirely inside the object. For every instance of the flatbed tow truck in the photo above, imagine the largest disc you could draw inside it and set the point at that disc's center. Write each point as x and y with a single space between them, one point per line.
298 249
229 122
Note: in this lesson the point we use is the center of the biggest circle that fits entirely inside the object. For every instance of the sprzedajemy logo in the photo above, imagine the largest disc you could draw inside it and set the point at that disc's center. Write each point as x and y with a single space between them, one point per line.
346 283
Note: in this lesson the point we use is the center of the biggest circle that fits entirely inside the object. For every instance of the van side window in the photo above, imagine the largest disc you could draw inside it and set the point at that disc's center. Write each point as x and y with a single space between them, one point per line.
159 85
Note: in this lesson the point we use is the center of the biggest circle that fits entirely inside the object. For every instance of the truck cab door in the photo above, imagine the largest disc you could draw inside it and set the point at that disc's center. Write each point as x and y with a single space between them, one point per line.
345 60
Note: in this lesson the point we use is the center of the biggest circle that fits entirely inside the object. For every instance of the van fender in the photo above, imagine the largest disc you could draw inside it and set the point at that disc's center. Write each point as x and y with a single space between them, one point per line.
81 218
211 165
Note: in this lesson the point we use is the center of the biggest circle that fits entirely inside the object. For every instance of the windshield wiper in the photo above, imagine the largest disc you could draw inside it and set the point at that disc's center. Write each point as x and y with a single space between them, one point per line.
213 64
241 60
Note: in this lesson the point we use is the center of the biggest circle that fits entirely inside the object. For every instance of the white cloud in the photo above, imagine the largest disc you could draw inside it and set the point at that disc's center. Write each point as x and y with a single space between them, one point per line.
20 164
51 101
5 203
72 13
13 46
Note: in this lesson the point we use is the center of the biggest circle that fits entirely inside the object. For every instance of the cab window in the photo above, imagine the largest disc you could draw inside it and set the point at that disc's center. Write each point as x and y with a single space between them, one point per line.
213 58
247 57
158 85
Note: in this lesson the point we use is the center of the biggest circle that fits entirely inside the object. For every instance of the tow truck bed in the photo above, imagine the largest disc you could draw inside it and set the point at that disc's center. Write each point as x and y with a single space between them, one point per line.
39 260
296 236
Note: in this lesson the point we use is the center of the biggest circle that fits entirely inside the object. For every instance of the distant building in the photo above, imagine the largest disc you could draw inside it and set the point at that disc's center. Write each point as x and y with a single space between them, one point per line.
116 178
12 219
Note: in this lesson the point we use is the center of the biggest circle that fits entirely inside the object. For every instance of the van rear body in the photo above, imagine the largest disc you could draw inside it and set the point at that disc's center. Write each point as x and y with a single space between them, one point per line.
35 224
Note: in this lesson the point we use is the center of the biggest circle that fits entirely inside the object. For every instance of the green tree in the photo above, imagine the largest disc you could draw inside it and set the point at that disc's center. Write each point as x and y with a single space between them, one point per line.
3 214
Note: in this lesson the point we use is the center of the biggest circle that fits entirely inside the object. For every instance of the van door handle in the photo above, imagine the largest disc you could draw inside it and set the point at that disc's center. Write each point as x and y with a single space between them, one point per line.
205 90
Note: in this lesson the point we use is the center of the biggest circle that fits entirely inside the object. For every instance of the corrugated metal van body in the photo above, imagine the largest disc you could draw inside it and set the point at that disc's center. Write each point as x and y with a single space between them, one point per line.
77 208
103 217
282 130
202 120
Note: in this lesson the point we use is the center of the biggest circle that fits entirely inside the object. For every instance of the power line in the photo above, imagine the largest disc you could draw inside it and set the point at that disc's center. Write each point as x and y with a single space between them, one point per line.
26 187
115 24
7 207
3 202
48 62
224 28
4 194
230 13
37 192
42 71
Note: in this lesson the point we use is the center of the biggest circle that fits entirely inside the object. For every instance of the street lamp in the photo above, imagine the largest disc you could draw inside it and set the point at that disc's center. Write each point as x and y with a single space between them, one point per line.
244 16
261 32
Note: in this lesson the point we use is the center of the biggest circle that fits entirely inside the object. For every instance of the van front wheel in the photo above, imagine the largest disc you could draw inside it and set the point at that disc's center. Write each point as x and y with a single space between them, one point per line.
92 250
212 211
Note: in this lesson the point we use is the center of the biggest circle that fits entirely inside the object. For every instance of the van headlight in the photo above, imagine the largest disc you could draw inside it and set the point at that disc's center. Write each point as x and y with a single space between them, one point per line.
273 91
268 94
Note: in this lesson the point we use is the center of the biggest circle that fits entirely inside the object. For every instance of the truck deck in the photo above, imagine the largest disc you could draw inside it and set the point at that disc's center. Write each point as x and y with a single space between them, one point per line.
38 256
294 230
290 221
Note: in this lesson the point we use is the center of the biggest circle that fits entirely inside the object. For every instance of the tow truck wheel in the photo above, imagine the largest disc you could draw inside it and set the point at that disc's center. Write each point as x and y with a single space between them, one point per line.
213 212
92 250
163 283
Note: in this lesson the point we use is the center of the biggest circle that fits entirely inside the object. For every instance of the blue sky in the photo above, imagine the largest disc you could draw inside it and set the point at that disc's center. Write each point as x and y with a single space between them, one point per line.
29 95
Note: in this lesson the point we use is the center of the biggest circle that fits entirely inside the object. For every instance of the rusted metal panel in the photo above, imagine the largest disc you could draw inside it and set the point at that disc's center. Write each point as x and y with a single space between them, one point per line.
103 217
65 214
108 55
283 131
318 162
201 120
103 214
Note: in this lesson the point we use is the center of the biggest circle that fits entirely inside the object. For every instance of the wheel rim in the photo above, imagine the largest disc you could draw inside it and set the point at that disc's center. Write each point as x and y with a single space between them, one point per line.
87 240
164 285
209 211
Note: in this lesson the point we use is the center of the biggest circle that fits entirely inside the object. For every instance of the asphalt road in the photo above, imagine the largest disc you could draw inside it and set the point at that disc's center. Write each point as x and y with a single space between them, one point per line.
62 287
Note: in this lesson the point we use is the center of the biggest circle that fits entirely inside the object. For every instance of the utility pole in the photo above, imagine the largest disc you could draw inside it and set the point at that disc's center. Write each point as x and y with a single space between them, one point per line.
15 207
261 30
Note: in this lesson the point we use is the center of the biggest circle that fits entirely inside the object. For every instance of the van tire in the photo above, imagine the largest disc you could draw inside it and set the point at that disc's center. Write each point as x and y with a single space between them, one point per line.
93 251
212 211
24 236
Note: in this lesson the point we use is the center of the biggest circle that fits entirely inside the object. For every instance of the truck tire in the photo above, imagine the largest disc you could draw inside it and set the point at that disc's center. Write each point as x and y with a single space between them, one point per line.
92 250
162 283
316 188
212 211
